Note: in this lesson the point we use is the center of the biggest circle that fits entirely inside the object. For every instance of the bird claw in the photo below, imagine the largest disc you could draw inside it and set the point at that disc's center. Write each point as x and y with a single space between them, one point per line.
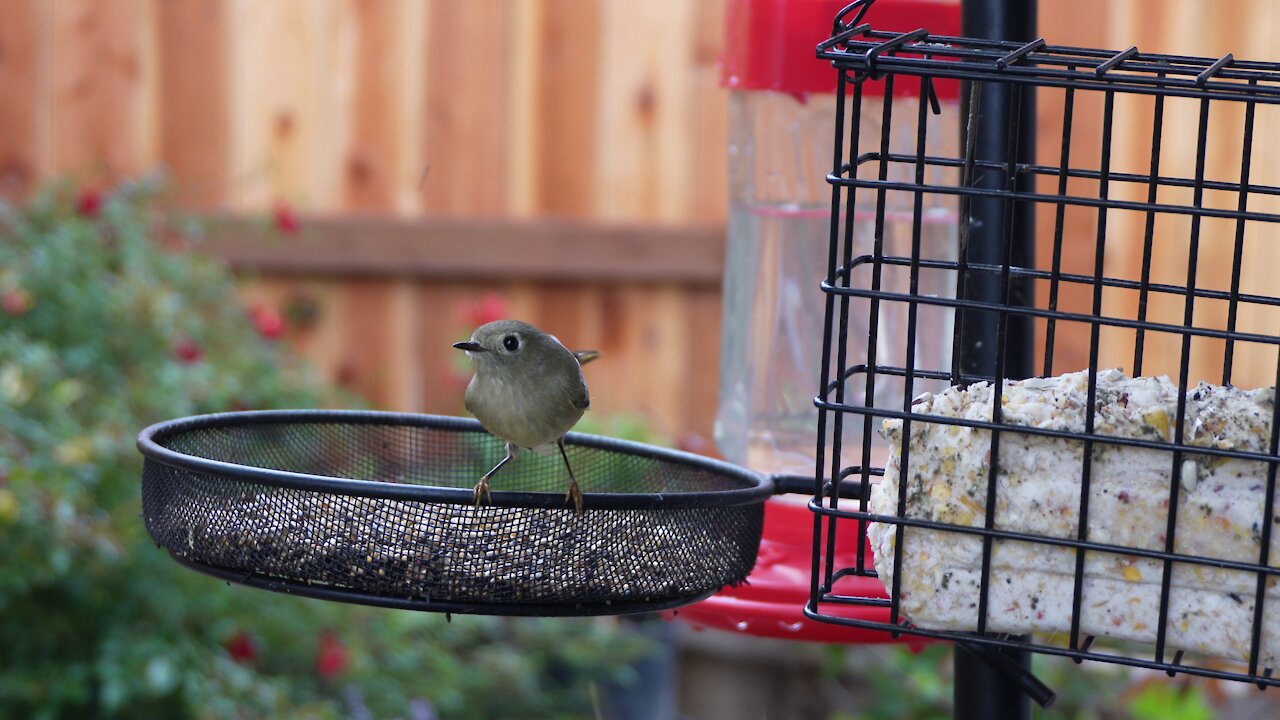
481 492
574 495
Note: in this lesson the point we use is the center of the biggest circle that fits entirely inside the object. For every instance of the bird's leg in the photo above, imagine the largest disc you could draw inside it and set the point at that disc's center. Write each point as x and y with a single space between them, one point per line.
481 490
574 494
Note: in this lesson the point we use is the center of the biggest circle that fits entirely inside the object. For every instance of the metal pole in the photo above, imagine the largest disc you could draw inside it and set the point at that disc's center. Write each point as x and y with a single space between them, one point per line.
980 691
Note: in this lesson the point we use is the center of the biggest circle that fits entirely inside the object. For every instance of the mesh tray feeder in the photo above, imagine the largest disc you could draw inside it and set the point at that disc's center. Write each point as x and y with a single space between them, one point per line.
377 508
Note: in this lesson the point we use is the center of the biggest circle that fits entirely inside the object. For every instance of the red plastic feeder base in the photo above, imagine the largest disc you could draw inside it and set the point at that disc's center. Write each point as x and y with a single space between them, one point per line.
771 602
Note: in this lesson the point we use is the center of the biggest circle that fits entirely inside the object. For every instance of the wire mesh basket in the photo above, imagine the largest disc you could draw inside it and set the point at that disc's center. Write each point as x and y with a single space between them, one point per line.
377 508
1120 506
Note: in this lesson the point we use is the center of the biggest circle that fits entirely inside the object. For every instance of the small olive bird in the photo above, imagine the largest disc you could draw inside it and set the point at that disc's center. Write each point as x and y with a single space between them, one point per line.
528 390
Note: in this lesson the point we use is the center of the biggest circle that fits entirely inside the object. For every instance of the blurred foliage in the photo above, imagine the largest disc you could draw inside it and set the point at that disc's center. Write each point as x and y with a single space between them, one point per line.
623 426
109 323
900 684
1168 701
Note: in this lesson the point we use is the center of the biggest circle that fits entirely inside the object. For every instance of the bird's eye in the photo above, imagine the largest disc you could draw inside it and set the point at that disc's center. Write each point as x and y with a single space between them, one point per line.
511 343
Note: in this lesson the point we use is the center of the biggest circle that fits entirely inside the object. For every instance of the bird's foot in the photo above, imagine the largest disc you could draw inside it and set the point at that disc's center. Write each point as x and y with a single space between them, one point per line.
481 491
574 495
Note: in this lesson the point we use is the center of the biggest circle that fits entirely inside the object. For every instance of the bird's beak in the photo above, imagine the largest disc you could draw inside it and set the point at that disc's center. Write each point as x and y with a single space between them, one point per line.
469 346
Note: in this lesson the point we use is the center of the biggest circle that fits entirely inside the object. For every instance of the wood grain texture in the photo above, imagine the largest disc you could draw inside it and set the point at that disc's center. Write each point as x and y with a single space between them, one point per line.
465 143
567 88
286 111
538 108
511 137
97 99
391 340
1243 27
643 103
708 162
454 248
20 80
194 137
369 166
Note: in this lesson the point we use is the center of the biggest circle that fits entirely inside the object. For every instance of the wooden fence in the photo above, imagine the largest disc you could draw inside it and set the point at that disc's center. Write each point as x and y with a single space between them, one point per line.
1247 28
476 122
385 315
477 108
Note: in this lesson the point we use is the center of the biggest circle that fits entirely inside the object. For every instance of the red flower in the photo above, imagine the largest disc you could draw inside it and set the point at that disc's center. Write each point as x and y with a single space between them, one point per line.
331 656
89 203
285 219
241 647
188 351
268 320
485 310
15 301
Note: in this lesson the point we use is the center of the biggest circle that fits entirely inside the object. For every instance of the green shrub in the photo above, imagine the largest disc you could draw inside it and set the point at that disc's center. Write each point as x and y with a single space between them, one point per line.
108 322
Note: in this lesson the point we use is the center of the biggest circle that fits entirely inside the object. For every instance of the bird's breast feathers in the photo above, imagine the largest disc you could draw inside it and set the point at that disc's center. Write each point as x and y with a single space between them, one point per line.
540 415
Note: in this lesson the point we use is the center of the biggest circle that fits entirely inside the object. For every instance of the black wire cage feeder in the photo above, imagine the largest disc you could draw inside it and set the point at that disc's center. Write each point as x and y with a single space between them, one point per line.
1104 514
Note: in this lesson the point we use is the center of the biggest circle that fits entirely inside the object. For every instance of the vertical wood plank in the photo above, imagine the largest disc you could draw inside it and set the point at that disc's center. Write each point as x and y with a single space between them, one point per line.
369 338
465 130
707 164
411 88
524 70
675 86
97 97
567 94
522 298
285 91
403 364
193 105
443 376
558 313
146 123
368 173
641 99
1060 24
702 365
20 73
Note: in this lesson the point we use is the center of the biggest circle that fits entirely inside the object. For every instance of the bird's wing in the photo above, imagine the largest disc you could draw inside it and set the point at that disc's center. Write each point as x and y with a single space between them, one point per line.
582 356
578 393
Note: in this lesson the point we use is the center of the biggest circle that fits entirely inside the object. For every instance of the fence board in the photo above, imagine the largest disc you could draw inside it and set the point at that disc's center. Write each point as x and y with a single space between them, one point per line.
391 340
1245 27
568 87
465 141
545 109
97 97
369 167
193 132
455 248
20 74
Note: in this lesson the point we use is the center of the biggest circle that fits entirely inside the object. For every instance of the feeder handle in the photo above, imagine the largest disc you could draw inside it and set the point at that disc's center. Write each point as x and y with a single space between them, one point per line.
839 25
784 484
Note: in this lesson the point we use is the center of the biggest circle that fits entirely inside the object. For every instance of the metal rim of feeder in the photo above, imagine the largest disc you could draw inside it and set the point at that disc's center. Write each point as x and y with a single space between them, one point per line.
758 489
